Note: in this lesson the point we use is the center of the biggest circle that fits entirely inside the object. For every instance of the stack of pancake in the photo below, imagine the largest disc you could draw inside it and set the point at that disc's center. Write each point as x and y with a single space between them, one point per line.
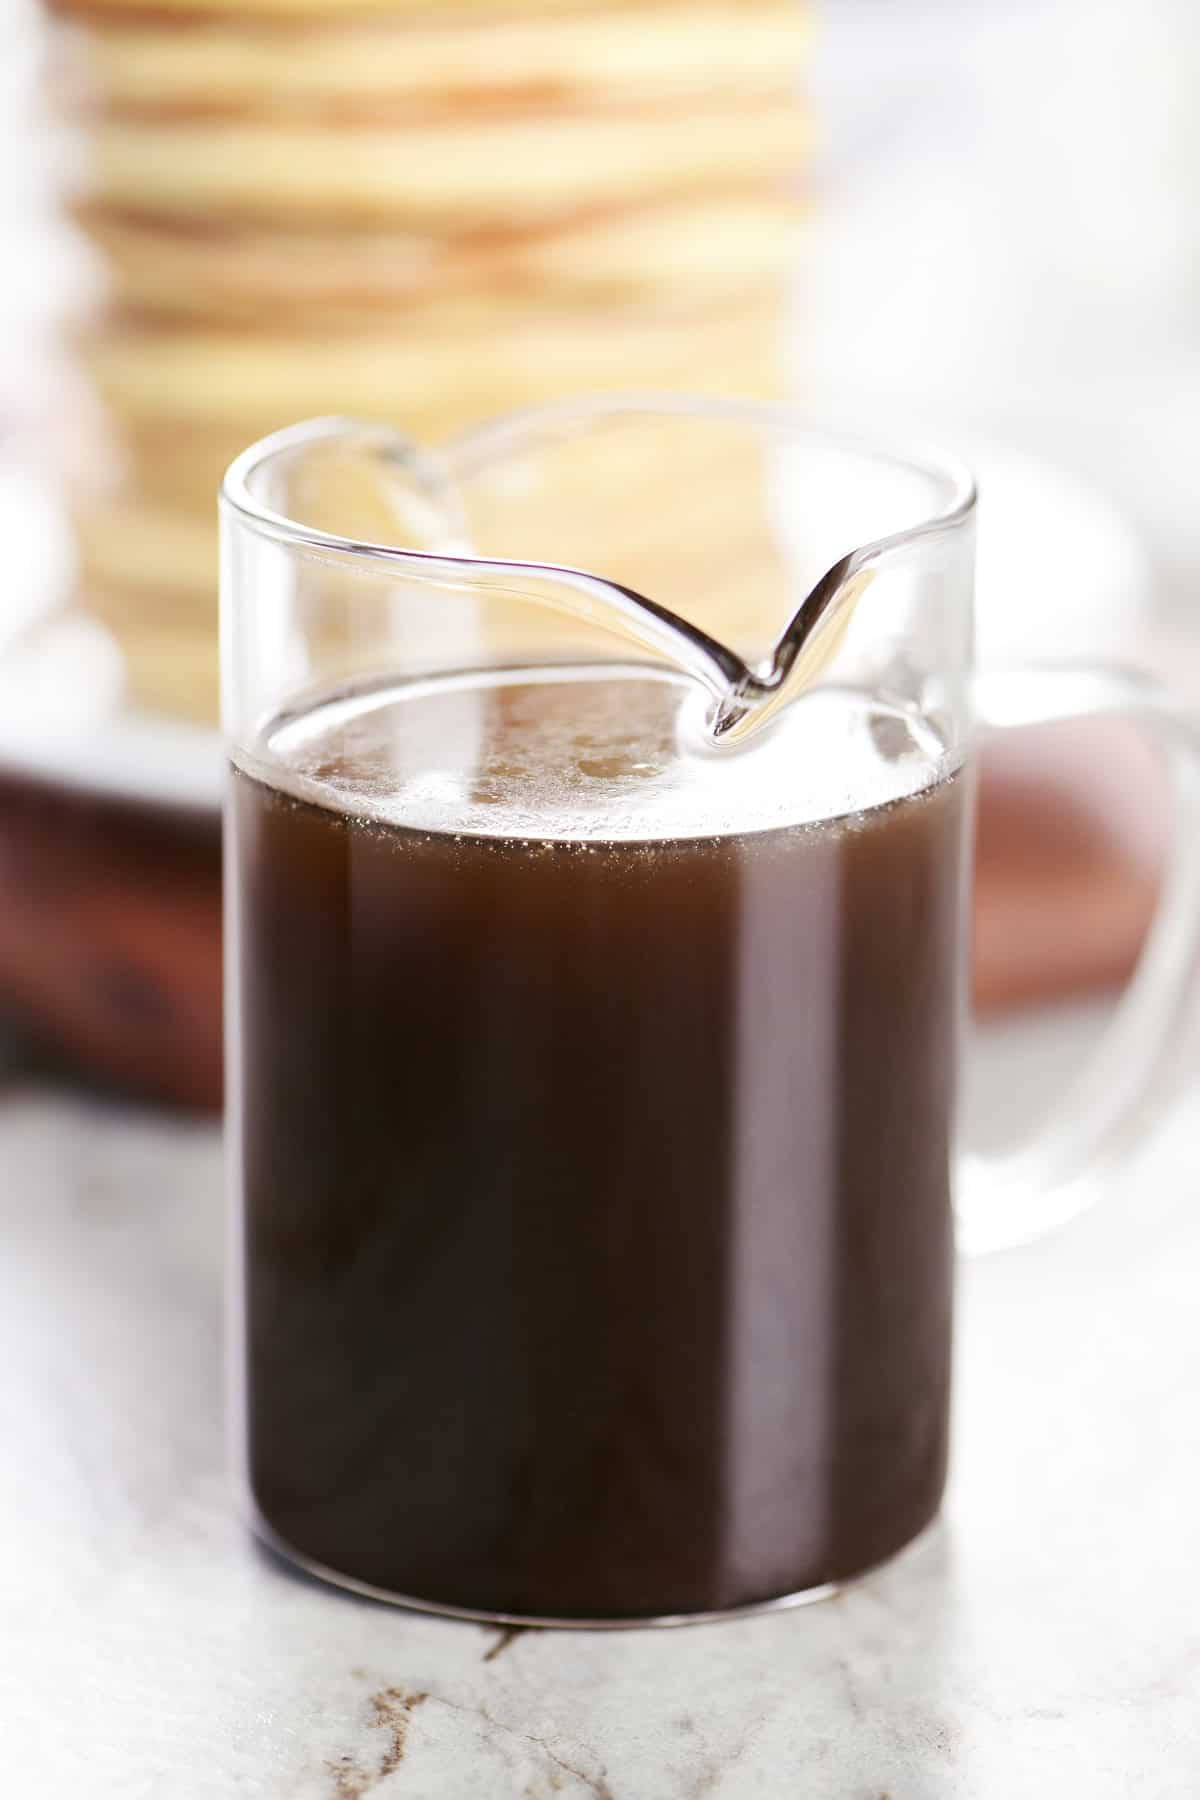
410 210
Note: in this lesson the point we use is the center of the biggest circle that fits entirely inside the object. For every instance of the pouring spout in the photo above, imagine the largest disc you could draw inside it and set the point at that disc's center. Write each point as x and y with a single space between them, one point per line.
810 643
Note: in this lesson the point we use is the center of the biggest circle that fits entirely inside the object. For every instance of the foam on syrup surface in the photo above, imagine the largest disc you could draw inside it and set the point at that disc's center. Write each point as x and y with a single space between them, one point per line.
589 754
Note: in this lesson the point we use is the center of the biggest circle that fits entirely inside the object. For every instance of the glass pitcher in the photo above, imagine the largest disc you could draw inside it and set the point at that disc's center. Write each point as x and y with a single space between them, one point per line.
597 863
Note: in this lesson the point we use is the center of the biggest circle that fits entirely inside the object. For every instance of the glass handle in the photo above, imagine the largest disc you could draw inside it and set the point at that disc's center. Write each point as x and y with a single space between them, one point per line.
1022 1194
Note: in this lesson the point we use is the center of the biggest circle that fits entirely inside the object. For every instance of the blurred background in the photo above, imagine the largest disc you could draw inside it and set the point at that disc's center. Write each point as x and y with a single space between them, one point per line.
972 223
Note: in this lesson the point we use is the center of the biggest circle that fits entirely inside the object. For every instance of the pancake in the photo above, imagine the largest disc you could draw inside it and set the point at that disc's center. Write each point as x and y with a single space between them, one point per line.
445 176
178 468
142 610
709 248
429 372
346 11
129 544
421 213
169 667
577 59
175 674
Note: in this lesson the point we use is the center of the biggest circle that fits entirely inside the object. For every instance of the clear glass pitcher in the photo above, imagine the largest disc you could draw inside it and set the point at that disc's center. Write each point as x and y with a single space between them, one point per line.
597 861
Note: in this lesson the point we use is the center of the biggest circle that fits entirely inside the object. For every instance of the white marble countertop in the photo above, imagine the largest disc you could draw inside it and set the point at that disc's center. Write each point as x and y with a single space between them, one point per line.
1044 1640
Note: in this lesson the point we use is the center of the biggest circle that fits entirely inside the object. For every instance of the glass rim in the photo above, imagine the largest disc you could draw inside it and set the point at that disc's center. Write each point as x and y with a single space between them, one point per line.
481 441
